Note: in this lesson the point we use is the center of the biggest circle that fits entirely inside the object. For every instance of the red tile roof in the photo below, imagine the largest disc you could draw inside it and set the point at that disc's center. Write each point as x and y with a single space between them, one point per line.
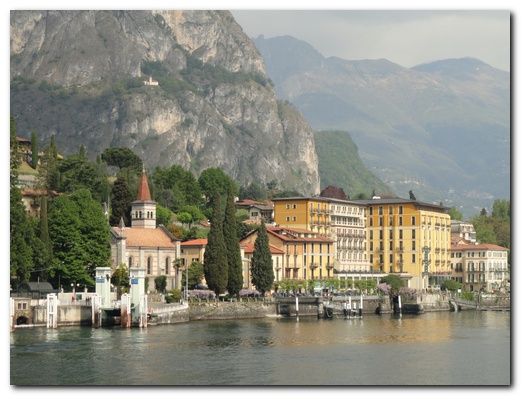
250 247
146 237
195 242
481 246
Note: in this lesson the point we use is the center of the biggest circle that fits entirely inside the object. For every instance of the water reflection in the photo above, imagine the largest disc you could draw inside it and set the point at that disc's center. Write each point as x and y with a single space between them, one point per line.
434 348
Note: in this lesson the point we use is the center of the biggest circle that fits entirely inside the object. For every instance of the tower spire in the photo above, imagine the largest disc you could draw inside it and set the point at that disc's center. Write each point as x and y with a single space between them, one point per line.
143 192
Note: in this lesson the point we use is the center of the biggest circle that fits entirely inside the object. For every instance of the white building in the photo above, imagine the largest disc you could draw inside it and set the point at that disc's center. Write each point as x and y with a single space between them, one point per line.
480 267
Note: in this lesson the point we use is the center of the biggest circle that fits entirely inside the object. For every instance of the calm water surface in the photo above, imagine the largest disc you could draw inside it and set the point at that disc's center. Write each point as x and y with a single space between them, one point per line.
439 348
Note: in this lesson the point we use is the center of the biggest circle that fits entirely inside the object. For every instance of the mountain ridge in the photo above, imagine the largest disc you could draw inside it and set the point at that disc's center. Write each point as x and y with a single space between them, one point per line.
435 128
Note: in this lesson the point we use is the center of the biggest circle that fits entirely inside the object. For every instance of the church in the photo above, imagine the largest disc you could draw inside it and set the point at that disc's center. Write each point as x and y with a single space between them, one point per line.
145 245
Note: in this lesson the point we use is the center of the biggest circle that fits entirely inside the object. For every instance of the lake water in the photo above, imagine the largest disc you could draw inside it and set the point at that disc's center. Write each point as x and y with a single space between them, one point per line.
436 348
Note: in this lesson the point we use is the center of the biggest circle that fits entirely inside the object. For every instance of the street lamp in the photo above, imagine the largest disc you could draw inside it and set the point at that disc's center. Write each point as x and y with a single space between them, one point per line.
426 251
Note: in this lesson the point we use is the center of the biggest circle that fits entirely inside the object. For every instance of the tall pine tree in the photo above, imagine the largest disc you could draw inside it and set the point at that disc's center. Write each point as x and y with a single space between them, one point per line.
121 202
232 246
215 257
34 150
262 276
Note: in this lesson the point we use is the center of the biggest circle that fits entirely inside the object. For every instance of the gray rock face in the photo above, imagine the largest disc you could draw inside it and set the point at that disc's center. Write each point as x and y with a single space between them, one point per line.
232 121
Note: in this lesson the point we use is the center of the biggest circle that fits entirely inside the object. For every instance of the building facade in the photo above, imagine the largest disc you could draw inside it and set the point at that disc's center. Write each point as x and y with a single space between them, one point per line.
145 245
306 255
480 267
410 239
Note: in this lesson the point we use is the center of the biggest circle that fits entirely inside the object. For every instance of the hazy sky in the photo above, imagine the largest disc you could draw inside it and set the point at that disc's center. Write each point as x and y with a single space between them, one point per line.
407 38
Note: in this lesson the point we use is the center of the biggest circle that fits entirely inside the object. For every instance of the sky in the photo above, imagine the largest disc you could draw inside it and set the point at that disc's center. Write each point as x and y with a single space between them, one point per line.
405 37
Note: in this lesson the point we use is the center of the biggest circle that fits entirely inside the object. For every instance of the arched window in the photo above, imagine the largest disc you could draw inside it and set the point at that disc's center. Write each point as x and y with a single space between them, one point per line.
167 266
130 262
149 265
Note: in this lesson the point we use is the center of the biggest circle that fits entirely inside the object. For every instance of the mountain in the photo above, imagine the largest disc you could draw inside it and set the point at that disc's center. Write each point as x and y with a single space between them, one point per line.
81 76
441 129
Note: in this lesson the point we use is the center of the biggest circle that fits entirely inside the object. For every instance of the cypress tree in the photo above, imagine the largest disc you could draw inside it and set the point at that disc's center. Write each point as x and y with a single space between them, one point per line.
44 236
262 276
121 203
34 149
16 160
232 246
215 258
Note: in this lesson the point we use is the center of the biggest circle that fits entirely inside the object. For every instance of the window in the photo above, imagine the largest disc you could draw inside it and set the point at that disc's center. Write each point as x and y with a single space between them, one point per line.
370 210
414 258
287 218
294 218
371 234
413 234
380 210
400 234
287 206
130 262
413 220
167 265
390 210
370 222
294 206
381 221
400 220
400 209
149 265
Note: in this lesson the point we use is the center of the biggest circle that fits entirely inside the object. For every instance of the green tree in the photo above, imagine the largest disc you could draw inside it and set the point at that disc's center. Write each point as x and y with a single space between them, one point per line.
395 282
21 239
451 285
43 234
16 159
184 218
121 279
235 280
195 275
501 210
80 236
160 283
48 171
253 191
77 172
214 179
455 214
215 257
163 215
122 157
34 150
261 262
121 205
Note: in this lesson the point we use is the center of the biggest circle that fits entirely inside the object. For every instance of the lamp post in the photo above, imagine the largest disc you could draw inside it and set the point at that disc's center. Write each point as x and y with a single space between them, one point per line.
426 251
186 276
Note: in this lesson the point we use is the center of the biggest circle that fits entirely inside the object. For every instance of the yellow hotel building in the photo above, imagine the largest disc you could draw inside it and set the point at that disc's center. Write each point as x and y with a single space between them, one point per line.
404 237
410 239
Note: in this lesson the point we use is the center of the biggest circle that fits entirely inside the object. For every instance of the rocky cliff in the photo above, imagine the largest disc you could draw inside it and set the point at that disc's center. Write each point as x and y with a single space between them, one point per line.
79 75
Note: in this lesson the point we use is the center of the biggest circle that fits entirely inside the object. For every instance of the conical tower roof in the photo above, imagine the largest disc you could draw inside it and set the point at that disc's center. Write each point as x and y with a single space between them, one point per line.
143 192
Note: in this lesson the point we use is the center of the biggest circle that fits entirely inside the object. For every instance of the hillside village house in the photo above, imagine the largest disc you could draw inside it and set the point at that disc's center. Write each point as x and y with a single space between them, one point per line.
145 245
32 200
257 211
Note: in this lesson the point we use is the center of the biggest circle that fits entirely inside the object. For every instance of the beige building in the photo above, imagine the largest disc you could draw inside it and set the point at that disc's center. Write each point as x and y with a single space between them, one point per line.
306 255
480 267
